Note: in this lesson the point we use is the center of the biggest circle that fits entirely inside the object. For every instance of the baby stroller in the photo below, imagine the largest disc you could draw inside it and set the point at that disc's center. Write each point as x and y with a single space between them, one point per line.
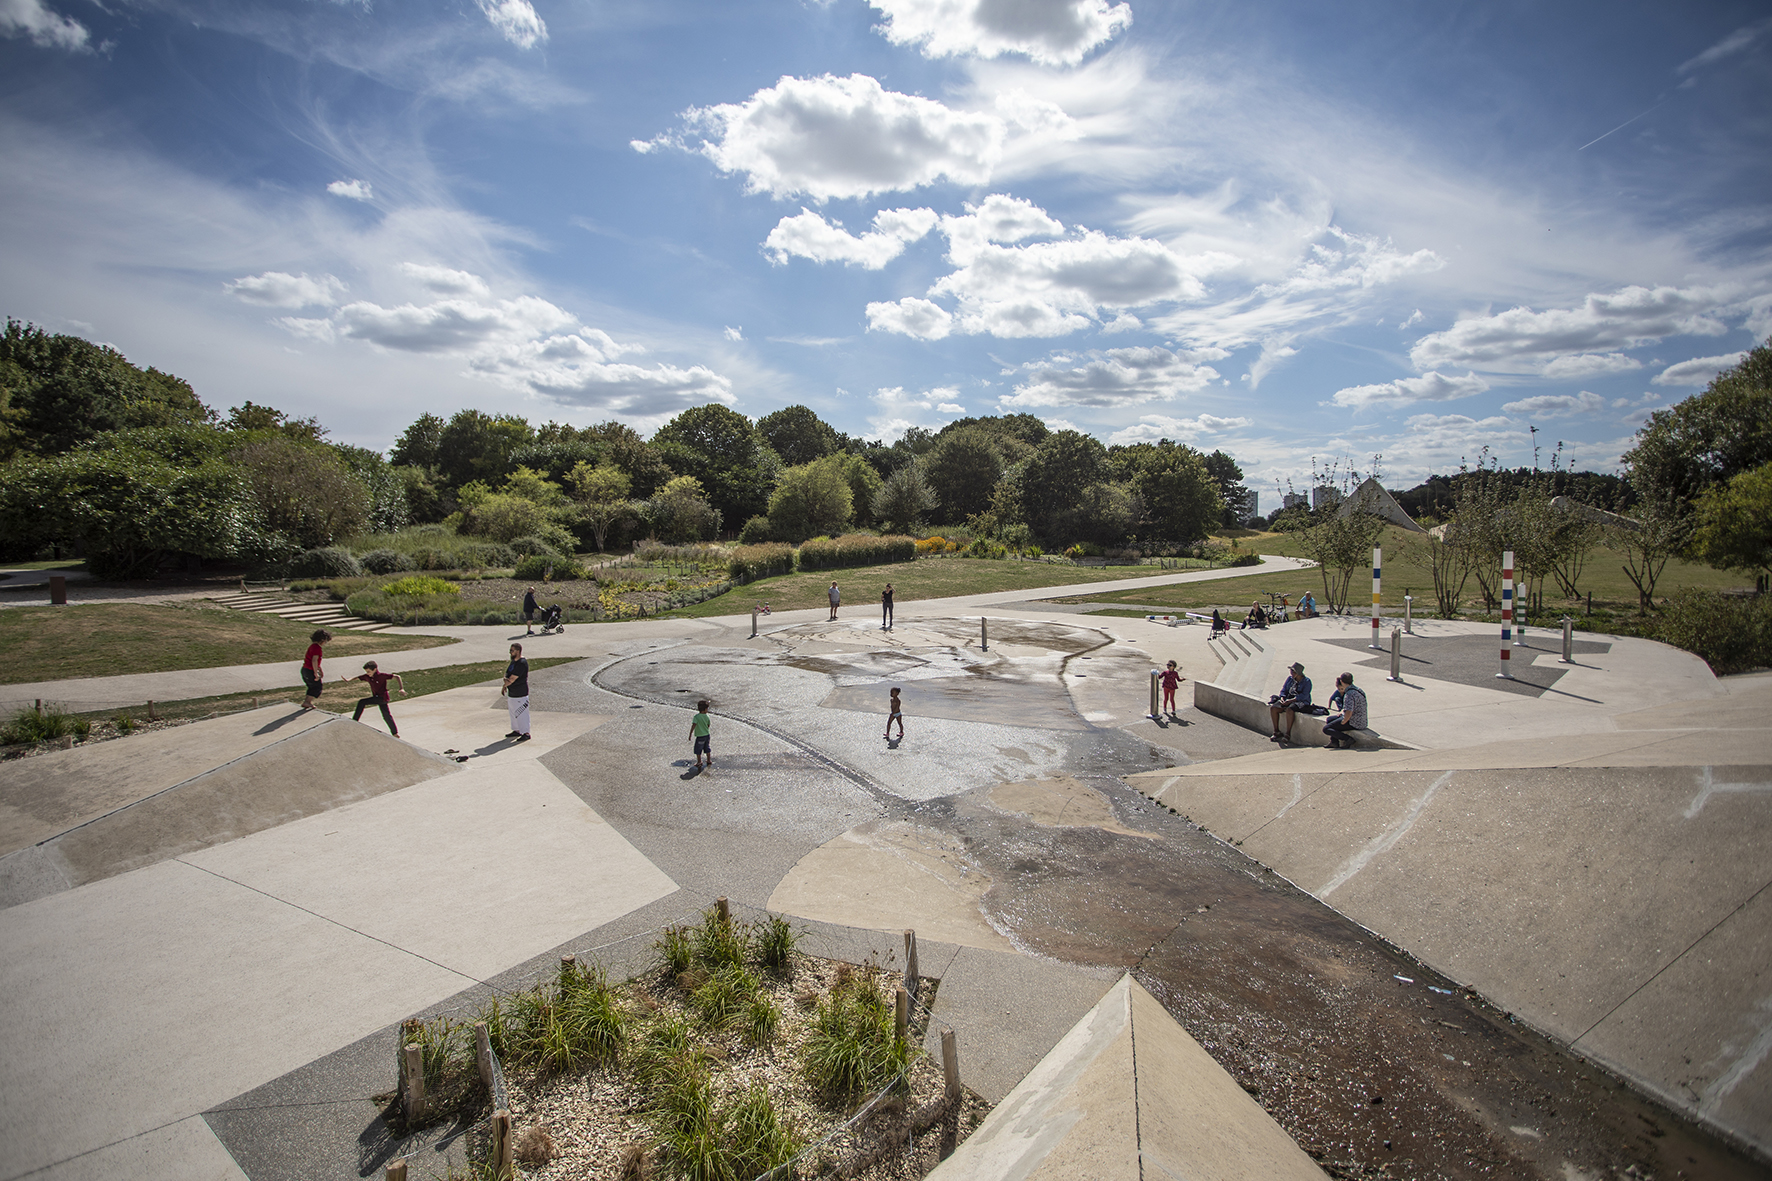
551 620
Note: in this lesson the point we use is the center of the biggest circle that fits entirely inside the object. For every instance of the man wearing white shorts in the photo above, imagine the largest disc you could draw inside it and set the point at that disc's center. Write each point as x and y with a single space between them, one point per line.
517 694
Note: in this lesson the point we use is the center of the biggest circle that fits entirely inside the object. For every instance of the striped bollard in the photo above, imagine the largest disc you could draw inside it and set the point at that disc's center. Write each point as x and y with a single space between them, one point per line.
1507 614
1377 565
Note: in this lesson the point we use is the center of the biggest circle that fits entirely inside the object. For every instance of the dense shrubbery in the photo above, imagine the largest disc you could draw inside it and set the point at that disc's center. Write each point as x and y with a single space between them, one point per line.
856 549
421 584
537 567
1731 633
747 563
329 562
428 610
387 561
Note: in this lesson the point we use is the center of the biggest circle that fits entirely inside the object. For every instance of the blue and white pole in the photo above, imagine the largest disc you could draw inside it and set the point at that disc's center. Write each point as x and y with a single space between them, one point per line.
1507 614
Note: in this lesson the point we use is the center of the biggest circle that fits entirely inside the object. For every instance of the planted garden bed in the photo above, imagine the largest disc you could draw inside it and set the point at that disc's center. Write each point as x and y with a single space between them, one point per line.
734 1055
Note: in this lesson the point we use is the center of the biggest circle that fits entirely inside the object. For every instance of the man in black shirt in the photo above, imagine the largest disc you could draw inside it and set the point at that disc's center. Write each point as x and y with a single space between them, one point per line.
886 608
516 693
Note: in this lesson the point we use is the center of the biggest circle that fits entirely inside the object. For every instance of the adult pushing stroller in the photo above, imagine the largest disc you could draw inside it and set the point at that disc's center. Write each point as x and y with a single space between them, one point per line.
552 620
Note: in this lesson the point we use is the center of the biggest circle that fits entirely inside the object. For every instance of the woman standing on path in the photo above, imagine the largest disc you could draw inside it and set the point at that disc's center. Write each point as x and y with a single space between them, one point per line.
310 668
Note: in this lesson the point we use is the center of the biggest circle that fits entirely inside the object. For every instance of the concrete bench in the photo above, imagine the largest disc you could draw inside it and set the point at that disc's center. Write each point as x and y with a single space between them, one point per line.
1252 713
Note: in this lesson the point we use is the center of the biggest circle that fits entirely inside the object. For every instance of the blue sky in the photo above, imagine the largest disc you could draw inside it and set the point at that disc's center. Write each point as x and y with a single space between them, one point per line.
1289 230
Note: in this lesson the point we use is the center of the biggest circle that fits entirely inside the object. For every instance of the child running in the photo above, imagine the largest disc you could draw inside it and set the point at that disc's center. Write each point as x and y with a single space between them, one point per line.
310 668
378 694
699 726
897 715
1171 678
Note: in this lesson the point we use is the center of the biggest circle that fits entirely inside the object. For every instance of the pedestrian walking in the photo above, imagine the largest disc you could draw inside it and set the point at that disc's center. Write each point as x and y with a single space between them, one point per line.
378 694
699 726
516 691
886 608
1171 678
836 599
529 610
310 668
897 715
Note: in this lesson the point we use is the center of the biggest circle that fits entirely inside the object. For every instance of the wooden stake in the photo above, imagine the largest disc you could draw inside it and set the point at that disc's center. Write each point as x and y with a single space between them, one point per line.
67 742
910 961
567 960
414 1082
725 908
483 1053
950 1064
502 1146
397 1169
903 1023
152 716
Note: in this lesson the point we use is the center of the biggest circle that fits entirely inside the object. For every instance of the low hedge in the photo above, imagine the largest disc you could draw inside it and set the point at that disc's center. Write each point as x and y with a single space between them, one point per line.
428 610
538 567
330 562
1731 633
747 563
856 549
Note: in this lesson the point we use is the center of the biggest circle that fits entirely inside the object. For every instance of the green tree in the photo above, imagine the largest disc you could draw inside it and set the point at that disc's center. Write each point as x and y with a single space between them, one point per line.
904 501
798 435
1238 500
1734 524
624 447
810 500
389 509
1339 545
1181 501
723 450
1710 437
603 499
1054 477
419 445
475 445
303 496
681 512
864 484
66 390
250 418
1660 529
962 469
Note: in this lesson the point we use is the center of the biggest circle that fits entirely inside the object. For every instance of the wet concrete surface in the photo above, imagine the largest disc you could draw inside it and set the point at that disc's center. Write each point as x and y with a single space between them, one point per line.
1375 1064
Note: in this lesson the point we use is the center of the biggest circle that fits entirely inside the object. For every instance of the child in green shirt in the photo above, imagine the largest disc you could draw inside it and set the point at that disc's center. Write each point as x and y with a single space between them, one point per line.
698 729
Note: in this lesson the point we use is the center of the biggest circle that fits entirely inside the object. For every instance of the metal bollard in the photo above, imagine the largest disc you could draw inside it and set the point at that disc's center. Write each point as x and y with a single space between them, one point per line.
58 590
984 634
1408 615
753 621
1568 641
1156 703
1396 654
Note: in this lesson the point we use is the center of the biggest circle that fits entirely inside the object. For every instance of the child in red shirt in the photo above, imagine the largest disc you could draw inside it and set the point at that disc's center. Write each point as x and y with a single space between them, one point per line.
378 694
1171 678
310 668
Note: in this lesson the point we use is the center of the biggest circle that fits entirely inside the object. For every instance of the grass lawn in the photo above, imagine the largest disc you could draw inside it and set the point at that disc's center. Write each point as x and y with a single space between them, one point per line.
110 639
1406 572
926 578
338 699
51 564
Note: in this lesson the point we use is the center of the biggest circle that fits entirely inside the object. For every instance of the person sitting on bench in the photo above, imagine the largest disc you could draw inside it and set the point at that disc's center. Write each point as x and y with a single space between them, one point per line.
1293 696
1349 713
1307 606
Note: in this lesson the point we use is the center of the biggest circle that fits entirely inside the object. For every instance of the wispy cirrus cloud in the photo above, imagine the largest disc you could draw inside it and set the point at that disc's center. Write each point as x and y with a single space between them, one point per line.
1557 405
1152 427
1429 387
1697 371
277 289
42 26
1113 378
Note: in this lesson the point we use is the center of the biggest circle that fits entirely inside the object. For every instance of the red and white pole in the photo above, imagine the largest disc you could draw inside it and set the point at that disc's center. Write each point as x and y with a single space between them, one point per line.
1377 567
1507 613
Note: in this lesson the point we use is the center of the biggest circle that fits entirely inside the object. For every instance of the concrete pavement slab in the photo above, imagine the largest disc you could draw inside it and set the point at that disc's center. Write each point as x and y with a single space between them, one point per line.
474 871
53 792
141 1000
317 769
187 1149
1714 1056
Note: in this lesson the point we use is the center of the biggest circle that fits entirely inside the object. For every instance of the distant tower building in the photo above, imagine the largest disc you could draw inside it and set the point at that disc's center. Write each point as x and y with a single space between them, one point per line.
1293 500
1323 496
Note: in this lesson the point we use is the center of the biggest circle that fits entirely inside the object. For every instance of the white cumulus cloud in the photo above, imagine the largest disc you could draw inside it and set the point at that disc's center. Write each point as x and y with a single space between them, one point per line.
911 316
1053 32
732 333
808 235
1584 339
1697 371
1557 405
516 20
355 190
447 281
1429 387
1151 427
847 137
1114 378
899 408
44 27
275 289
1005 289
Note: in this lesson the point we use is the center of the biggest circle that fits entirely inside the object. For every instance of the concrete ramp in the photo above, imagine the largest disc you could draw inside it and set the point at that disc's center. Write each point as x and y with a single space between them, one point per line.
1624 911
1128 1094
245 776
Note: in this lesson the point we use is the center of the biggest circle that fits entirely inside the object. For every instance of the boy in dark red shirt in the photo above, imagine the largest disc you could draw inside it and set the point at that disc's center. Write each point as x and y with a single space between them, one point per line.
311 676
378 694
